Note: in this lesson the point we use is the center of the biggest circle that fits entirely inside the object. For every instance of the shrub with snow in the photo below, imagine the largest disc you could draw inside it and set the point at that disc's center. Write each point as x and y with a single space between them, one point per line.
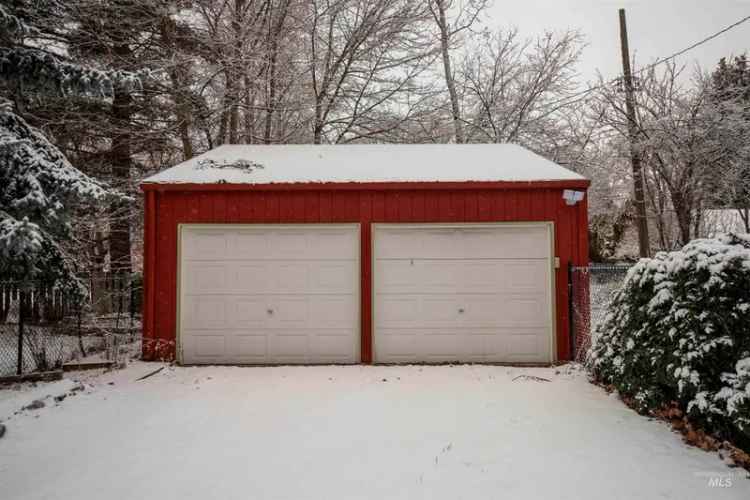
679 331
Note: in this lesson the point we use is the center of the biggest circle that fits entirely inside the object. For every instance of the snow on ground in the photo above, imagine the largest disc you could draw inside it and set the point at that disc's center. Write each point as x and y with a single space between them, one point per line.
349 432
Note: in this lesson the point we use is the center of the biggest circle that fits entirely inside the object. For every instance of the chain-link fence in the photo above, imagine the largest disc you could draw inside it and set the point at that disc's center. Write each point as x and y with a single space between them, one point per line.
591 288
42 327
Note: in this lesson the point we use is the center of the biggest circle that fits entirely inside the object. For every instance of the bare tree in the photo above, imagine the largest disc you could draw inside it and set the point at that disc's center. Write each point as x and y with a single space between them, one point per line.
363 58
452 19
516 88
685 138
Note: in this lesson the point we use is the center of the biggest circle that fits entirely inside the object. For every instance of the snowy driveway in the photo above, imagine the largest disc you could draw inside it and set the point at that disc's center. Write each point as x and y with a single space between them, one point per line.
409 432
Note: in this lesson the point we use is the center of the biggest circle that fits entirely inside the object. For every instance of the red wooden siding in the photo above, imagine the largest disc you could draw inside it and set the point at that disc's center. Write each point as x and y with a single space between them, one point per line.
171 205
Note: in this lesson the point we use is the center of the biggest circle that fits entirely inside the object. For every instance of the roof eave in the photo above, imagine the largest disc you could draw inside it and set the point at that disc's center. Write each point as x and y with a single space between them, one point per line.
367 186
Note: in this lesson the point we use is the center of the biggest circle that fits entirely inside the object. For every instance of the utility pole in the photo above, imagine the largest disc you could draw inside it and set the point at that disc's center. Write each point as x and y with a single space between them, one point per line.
635 155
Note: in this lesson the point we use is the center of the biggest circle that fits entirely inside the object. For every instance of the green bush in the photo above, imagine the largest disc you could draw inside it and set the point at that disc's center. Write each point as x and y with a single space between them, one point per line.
679 331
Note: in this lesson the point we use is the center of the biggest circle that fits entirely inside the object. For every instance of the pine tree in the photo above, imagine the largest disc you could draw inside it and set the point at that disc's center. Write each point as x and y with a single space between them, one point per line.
39 188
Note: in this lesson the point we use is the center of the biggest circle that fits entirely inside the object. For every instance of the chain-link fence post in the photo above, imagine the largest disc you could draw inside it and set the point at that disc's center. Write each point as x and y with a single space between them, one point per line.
19 359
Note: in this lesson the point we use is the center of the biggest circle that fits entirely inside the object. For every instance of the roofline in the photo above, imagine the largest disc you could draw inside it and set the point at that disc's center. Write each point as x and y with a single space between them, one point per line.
367 186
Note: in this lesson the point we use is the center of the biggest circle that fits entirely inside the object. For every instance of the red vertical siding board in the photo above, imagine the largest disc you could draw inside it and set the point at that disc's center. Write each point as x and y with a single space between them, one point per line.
497 205
149 272
525 204
484 206
325 206
259 206
338 207
165 334
298 207
417 207
233 207
458 206
378 206
285 206
432 206
352 206
405 213
205 207
472 206
539 205
312 207
445 209
510 205
391 206
365 206
273 207
220 208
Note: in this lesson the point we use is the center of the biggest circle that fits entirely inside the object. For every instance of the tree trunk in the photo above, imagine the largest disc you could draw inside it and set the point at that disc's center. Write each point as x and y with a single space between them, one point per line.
235 71
449 81
682 211
178 77
121 162
249 113
318 123
271 104
183 111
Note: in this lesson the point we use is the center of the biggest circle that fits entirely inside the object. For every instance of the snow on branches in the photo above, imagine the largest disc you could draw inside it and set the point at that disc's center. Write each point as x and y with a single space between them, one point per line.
39 188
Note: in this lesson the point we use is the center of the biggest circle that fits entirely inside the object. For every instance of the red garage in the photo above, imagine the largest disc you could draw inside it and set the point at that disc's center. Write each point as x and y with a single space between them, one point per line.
361 254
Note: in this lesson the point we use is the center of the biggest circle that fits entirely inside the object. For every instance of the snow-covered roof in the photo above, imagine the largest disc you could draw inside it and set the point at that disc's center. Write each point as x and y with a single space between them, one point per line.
365 163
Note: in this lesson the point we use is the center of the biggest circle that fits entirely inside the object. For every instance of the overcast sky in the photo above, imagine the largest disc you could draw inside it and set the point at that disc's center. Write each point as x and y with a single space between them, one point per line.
656 28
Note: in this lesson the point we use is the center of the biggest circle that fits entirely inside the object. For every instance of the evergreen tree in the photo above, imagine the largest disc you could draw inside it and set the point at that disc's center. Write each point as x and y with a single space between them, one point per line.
731 95
39 189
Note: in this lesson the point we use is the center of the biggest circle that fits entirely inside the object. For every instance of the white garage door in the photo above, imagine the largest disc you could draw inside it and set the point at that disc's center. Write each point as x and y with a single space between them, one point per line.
269 294
473 293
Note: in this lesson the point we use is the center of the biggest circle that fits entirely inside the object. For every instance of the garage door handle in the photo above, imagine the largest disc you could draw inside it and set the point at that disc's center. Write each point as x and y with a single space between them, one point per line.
269 311
461 311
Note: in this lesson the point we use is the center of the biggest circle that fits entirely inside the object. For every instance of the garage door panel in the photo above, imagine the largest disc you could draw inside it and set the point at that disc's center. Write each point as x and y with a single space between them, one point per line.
328 346
270 295
246 278
394 346
247 244
290 277
399 310
289 346
290 312
417 275
335 244
247 312
247 348
206 277
204 244
440 310
471 242
334 277
206 311
524 347
206 345
396 276
333 311
439 345
526 275
289 244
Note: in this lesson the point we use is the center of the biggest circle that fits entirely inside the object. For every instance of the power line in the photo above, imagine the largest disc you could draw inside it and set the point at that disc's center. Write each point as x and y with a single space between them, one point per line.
578 96
695 45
